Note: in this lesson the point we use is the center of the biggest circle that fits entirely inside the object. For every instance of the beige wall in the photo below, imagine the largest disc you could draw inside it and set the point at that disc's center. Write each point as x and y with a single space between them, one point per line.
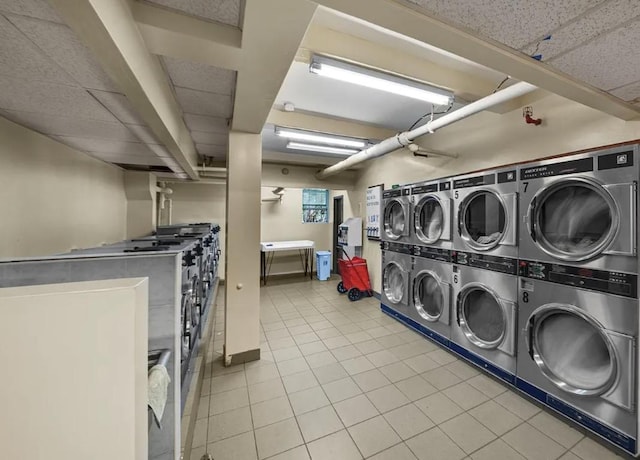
54 198
193 202
488 140
140 189
282 221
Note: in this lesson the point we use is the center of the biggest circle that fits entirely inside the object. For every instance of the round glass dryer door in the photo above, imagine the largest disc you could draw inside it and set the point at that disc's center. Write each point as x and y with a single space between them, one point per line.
429 219
393 282
428 296
483 220
482 317
395 220
571 350
574 220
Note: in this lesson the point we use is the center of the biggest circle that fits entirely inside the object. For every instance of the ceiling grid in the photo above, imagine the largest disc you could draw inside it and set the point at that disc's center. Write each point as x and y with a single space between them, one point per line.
205 94
46 71
594 41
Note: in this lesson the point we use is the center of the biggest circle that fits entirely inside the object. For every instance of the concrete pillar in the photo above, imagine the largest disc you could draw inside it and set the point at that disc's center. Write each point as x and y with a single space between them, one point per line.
242 317
140 189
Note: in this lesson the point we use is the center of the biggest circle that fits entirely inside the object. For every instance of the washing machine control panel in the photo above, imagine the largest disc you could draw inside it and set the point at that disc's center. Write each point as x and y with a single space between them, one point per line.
618 283
443 255
397 247
396 192
475 181
420 189
486 262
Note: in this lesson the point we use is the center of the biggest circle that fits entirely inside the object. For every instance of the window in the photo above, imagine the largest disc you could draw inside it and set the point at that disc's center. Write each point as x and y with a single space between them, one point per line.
315 205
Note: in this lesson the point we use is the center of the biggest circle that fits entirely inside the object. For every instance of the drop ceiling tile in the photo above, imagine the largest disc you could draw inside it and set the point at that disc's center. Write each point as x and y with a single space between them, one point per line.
74 127
203 103
610 61
143 133
60 43
629 92
194 75
210 150
20 58
598 21
515 23
103 146
33 8
200 137
225 11
206 124
159 150
119 106
50 99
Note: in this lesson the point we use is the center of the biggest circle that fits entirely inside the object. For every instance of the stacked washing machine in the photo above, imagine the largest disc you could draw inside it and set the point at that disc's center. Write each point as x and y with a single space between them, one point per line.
485 283
578 294
530 273
416 257
397 260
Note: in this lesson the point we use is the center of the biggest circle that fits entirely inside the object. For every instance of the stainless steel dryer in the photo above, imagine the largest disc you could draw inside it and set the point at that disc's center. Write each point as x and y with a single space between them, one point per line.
431 293
486 216
396 215
432 216
582 209
577 346
396 272
485 318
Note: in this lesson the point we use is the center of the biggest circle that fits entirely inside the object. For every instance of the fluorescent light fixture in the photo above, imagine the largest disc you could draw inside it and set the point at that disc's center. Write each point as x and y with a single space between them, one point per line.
320 138
321 148
369 78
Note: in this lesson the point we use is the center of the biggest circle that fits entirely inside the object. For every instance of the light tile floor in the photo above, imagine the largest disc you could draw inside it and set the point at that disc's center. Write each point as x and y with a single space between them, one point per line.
340 380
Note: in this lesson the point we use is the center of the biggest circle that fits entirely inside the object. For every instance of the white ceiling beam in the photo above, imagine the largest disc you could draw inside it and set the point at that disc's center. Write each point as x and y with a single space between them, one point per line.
272 33
168 33
310 122
107 27
416 24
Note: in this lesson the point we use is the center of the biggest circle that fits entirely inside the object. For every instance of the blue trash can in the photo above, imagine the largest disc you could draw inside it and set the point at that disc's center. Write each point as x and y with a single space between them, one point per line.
323 264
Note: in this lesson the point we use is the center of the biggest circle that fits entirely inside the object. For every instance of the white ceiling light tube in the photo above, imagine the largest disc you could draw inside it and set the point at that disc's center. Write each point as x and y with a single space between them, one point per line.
321 148
369 78
320 138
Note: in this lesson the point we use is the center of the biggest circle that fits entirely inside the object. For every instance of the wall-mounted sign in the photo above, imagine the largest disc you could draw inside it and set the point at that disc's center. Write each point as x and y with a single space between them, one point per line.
374 203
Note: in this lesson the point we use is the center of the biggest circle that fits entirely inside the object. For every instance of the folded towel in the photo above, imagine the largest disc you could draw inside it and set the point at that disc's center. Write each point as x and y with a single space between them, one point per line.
158 390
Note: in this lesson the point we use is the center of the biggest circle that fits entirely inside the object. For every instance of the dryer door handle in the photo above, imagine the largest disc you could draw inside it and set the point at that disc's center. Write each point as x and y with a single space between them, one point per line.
532 218
458 309
530 336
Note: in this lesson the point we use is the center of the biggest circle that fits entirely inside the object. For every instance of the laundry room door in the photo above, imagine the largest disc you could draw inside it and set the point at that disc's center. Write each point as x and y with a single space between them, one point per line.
338 202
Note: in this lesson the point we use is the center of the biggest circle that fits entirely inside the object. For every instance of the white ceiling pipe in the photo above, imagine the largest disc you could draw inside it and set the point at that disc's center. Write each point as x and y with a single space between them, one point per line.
404 139
211 169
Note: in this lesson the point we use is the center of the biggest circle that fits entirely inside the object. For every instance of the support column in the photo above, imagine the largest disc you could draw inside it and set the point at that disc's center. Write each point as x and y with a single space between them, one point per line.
242 293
